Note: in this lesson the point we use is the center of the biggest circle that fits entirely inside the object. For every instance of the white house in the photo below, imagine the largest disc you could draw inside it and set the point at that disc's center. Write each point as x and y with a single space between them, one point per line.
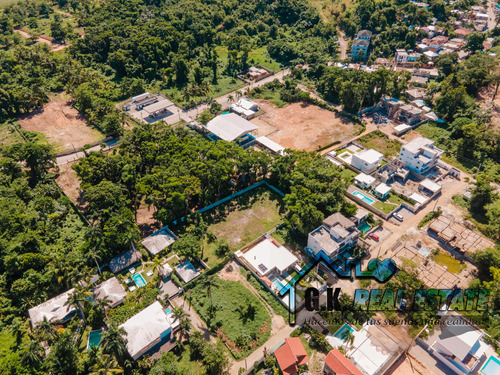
54 310
230 127
111 290
459 345
364 181
335 234
420 155
367 160
381 191
268 258
147 329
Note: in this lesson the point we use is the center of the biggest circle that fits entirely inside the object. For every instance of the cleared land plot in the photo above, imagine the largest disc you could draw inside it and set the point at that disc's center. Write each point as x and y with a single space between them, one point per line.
240 221
381 143
247 217
237 316
63 125
303 126
69 183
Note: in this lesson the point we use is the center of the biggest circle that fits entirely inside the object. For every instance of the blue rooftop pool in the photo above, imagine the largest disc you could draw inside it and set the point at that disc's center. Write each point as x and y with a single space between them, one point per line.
492 367
363 197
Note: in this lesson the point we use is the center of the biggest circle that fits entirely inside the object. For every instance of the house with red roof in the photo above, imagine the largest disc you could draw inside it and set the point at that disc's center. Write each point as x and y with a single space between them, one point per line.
291 355
337 364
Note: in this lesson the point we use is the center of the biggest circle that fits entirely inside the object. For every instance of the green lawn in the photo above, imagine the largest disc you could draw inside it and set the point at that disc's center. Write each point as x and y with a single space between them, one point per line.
9 135
446 260
291 240
258 56
188 365
348 174
385 207
380 142
272 96
4 3
239 317
244 219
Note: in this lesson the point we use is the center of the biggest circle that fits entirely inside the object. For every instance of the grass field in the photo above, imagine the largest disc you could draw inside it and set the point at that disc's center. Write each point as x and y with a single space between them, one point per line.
258 56
4 3
380 142
237 316
347 174
448 261
9 135
278 308
247 217
389 204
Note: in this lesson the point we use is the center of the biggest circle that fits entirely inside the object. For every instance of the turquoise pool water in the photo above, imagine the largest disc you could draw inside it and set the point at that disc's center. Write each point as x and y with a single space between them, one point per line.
364 227
278 284
168 311
492 367
363 197
95 338
342 331
139 280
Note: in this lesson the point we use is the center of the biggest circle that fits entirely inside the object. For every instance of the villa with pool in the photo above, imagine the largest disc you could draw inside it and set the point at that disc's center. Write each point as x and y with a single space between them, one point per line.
336 234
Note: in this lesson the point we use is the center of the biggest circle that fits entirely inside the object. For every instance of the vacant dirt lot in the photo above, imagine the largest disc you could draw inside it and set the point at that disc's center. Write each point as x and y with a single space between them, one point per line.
62 124
69 183
484 98
302 126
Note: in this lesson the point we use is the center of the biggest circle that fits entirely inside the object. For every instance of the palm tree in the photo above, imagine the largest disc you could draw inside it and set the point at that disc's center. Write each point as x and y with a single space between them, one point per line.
48 328
113 342
75 300
182 316
106 365
18 329
230 98
348 337
33 354
208 283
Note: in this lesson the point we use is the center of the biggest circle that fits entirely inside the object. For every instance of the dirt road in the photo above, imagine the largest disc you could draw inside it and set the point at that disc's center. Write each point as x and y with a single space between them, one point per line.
343 44
43 39
194 320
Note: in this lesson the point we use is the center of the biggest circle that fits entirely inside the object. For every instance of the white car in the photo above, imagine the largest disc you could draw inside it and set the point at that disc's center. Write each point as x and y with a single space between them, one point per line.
398 216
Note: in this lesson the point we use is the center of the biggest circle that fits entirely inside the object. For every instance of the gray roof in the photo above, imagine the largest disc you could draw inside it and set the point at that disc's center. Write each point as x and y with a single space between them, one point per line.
230 127
54 310
125 260
361 42
338 218
112 290
159 241
364 34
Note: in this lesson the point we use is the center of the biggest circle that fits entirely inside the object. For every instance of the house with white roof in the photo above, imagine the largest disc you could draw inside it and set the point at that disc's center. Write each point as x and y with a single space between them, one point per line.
147 329
229 127
381 191
364 181
268 258
159 241
337 233
367 161
420 155
54 310
459 344
429 187
245 108
111 290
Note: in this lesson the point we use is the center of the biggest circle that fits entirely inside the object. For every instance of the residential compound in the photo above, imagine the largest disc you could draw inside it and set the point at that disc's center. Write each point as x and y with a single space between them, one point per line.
367 161
336 234
420 155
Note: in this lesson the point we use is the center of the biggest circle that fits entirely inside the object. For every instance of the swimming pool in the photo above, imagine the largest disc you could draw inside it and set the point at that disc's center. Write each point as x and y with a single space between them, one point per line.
492 367
364 227
95 338
139 280
278 284
341 333
363 197
168 311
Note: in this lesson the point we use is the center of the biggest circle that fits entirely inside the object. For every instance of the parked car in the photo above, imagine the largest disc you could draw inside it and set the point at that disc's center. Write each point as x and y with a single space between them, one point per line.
398 216
373 236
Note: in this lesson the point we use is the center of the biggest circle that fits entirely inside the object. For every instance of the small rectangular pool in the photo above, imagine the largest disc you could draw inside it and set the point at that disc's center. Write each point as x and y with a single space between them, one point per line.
95 338
341 333
363 197
139 280
278 284
492 367
364 227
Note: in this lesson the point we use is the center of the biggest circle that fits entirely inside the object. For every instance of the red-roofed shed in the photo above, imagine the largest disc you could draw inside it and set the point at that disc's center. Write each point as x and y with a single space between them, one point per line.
336 363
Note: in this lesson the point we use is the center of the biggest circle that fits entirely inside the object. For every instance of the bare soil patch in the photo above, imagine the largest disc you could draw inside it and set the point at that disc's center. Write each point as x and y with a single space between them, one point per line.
43 39
484 98
302 126
69 183
145 221
61 123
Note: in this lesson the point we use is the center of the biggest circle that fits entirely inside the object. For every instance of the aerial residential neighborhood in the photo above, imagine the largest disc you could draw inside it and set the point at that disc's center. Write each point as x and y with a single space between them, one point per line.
235 188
